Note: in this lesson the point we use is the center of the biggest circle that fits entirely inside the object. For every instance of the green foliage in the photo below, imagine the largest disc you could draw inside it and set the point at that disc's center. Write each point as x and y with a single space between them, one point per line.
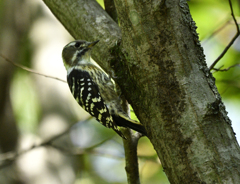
25 101
211 16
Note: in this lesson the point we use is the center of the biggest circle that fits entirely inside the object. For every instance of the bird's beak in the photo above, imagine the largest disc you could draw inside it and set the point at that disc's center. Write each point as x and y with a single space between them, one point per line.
92 44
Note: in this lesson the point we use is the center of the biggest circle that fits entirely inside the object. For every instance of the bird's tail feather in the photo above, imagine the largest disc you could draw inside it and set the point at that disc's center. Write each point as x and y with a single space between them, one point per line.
125 122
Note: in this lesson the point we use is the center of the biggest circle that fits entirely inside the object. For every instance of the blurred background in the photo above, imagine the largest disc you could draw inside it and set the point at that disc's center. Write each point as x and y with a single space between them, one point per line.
35 109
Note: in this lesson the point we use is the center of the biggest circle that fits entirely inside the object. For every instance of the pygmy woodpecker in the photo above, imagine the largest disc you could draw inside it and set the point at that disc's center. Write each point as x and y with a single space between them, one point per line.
93 89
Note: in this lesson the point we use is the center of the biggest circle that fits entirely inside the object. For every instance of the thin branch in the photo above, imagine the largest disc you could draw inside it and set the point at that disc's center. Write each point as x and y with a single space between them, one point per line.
231 42
29 70
10 157
225 69
130 147
111 9
80 151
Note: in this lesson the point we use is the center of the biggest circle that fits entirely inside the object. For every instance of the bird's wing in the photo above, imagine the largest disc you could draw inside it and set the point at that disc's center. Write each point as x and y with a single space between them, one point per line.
87 94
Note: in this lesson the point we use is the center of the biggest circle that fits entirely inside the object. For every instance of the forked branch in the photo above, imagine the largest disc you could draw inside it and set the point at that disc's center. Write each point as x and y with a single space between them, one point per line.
231 42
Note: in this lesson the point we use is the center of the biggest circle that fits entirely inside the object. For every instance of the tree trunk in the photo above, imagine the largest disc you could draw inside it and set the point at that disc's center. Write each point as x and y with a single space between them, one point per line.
161 69
13 43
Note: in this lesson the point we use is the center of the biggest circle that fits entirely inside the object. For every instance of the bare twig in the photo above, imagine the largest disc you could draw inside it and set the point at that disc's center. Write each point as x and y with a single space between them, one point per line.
231 42
10 157
225 69
130 147
80 151
28 69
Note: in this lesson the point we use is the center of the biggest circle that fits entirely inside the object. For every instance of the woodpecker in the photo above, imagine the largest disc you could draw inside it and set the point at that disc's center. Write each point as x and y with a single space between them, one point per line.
93 89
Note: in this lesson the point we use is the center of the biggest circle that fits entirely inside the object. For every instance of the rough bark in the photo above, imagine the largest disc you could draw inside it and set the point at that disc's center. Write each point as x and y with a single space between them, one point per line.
161 70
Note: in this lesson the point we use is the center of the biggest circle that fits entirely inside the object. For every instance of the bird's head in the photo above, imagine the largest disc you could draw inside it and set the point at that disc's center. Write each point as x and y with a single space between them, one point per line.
77 52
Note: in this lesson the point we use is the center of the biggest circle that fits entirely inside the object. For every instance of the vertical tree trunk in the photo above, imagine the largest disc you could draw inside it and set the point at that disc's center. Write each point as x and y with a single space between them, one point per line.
174 94
13 31
8 47
161 69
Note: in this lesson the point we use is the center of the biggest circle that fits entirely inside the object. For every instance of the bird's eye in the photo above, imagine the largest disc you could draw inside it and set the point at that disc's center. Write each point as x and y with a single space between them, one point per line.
77 45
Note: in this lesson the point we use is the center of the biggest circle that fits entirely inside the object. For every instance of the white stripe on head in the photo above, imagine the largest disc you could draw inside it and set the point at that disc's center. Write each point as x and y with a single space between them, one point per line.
71 44
74 56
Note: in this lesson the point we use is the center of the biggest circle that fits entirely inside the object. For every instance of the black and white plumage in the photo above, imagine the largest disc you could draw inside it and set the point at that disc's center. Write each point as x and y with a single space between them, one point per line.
93 89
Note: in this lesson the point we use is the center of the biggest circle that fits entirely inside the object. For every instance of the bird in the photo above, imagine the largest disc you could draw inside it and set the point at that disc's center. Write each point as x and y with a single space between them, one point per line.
94 90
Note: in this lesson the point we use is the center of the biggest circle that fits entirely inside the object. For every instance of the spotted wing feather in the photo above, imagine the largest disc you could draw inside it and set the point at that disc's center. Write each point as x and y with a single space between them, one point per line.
87 94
